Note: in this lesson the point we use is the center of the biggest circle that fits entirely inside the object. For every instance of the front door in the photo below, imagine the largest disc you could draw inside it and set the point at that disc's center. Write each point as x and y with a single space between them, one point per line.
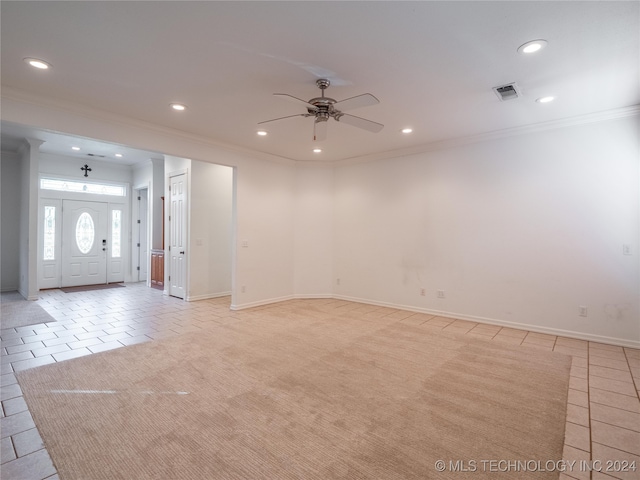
84 243
178 236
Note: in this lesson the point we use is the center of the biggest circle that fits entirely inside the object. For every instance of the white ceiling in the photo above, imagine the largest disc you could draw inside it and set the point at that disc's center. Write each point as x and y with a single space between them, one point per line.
432 65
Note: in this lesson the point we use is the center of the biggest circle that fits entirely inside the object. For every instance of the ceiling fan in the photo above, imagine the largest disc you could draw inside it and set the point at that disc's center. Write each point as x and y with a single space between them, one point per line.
323 108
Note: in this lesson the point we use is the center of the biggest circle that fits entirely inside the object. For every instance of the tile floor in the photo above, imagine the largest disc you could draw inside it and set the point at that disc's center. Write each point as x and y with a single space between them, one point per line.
603 408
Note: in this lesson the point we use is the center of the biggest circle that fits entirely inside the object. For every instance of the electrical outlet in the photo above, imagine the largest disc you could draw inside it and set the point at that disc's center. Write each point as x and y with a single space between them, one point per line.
440 293
338 281
243 288
626 249
582 311
423 292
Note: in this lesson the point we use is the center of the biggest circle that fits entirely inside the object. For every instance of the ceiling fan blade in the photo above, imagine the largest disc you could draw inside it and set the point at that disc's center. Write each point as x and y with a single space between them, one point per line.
282 118
319 131
360 123
297 100
364 100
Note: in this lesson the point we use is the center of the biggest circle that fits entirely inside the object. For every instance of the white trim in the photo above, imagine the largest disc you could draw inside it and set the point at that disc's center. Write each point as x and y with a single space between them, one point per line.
498 134
17 95
167 257
314 296
262 302
135 216
207 296
622 342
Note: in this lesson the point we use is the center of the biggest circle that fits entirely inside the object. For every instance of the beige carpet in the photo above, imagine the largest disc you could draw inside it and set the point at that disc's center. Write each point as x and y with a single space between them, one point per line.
16 311
300 395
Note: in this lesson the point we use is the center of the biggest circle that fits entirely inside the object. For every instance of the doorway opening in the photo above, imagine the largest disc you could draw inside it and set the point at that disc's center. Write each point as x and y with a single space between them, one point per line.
82 233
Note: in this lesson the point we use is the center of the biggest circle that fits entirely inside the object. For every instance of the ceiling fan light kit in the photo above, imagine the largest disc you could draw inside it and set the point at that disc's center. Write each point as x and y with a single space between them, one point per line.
322 108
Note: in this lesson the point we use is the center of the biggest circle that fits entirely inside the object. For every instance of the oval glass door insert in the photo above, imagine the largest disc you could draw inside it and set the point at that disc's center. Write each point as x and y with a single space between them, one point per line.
85 233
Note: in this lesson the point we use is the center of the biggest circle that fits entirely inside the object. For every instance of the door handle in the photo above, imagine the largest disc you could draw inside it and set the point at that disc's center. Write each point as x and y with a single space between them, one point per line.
182 252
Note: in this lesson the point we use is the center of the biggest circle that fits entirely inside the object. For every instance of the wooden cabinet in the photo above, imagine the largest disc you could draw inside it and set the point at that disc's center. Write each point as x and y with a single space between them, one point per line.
157 268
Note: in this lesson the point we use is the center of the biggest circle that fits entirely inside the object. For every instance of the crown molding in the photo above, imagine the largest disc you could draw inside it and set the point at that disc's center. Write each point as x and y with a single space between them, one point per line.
597 117
20 96
126 122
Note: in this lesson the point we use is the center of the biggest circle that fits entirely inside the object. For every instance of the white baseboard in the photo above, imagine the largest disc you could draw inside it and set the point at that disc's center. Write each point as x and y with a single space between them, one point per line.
621 342
281 299
259 303
207 296
27 296
314 295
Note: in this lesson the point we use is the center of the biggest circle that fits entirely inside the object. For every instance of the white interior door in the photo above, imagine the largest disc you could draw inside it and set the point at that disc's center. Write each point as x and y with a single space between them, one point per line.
144 237
84 243
178 235
141 236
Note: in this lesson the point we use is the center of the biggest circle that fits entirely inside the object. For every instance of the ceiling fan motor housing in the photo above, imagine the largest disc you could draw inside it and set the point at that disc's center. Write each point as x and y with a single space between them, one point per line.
323 108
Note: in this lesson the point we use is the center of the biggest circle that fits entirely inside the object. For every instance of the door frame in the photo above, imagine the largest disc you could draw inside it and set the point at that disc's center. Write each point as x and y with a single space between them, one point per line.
56 197
167 235
135 216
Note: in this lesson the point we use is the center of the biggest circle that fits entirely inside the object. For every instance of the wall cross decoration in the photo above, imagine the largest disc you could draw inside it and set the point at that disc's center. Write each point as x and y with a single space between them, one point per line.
86 170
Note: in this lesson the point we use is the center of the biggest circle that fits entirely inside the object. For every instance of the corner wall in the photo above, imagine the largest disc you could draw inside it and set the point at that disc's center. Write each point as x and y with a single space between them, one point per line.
520 231
10 225
313 231
27 255
210 232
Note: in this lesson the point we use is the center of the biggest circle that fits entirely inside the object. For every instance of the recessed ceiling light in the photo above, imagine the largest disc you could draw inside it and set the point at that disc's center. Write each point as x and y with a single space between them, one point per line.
532 46
407 130
119 155
262 133
75 148
37 63
178 106
317 150
545 99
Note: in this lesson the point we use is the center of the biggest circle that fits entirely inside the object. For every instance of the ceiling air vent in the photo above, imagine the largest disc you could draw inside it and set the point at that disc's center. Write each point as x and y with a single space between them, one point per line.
507 92
95 155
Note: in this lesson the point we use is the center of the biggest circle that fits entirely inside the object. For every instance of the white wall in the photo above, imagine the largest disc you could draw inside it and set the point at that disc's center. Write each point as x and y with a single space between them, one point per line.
69 167
265 223
10 223
156 206
518 231
151 175
522 231
210 235
313 231
28 207
142 175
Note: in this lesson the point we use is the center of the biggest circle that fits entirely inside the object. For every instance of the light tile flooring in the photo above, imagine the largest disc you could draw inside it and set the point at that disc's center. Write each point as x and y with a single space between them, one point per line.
603 408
